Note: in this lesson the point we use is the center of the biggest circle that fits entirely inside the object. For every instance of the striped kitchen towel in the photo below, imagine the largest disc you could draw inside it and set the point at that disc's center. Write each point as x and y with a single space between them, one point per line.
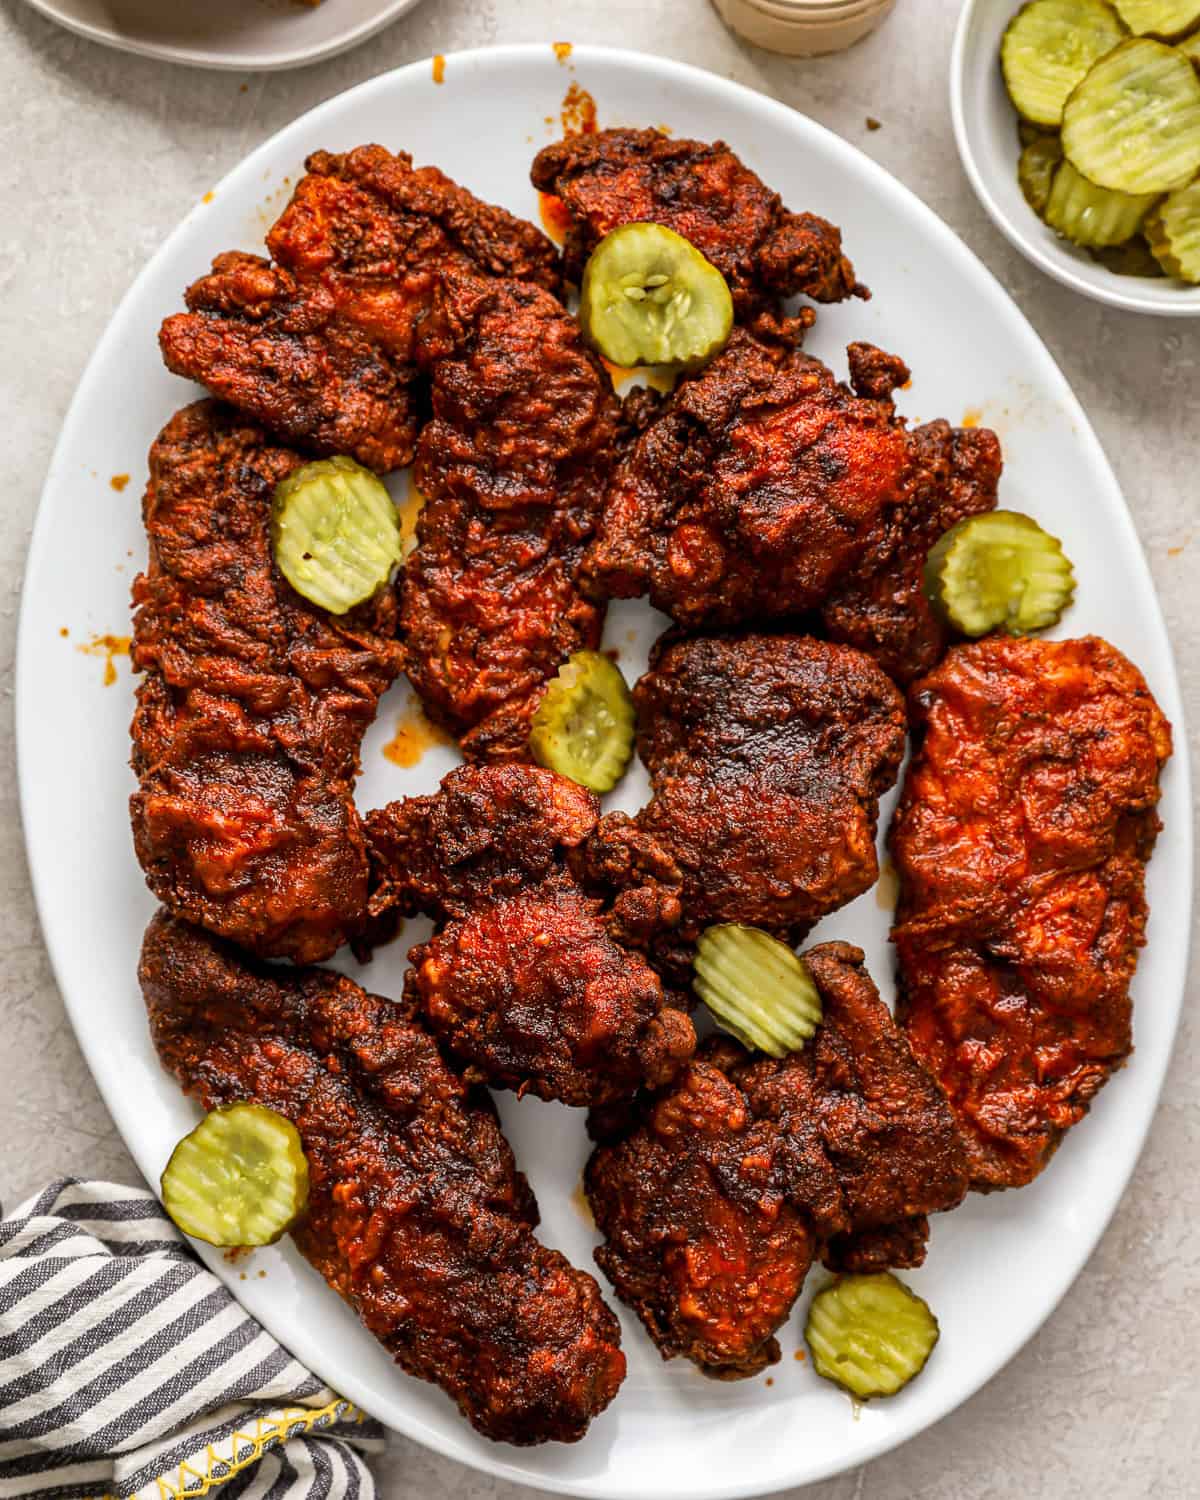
129 1372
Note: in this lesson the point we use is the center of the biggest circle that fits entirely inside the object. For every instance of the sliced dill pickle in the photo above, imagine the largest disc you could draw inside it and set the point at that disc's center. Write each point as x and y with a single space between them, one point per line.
756 987
335 533
1161 18
1133 124
999 570
1173 233
650 298
1048 47
239 1178
1027 133
583 727
870 1334
1190 47
1133 258
1035 170
1089 215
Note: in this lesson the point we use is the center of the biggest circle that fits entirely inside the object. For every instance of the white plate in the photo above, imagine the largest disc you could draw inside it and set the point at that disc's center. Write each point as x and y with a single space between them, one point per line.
999 1264
985 129
247 35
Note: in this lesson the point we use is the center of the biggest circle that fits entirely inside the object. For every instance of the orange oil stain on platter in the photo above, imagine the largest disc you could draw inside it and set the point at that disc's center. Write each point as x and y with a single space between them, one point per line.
118 482
973 416
407 513
109 647
414 735
657 377
64 632
562 50
554 216
578 112
439 68
208 197
579 1201
1178 551
887 888
799 1355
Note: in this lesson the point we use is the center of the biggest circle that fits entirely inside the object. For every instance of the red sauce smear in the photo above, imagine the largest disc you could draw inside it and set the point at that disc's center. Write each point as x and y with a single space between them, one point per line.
578 112
109 647
414 735
555 218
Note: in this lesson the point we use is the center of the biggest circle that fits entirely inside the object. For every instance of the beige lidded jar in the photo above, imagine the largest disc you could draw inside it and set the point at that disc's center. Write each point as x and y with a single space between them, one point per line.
803 28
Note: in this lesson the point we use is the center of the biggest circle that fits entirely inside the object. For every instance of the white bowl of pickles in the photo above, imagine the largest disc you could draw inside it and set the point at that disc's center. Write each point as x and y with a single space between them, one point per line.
1078 124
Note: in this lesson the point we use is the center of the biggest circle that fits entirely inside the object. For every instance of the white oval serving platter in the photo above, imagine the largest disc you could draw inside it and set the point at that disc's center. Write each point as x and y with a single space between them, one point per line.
999 1264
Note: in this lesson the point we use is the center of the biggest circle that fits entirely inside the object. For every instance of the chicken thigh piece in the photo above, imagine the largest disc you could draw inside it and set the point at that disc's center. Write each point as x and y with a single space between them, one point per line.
704 193
317 343
531 980
767 754
766 490
716 1194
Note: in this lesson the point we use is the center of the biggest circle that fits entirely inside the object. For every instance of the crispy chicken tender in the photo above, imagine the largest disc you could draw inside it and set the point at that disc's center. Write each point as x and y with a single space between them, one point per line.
767 757
703 192
715 1195
764 489
252 704
417 1215
529 981
318 343
1021 838
513 466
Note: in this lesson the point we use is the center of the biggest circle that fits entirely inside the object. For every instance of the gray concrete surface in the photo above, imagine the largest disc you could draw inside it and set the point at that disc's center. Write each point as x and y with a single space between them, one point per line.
102 153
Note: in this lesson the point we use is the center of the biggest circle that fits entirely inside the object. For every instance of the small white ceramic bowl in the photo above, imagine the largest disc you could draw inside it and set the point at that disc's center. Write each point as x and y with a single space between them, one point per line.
985 128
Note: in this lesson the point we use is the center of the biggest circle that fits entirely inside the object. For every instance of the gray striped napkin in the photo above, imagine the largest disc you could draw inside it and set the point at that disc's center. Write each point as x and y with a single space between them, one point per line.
129 1372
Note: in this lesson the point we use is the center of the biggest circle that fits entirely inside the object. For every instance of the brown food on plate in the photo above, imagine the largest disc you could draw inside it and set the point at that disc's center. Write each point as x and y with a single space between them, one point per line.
532 980
318 342
703 192
513 466
715 1195
1021 840
764 489
417 1214
767 757
252 704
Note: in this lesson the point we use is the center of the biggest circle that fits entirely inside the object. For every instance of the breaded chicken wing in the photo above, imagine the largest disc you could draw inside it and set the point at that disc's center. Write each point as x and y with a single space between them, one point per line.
531 980
417 1215
251 707
317 344
1021 840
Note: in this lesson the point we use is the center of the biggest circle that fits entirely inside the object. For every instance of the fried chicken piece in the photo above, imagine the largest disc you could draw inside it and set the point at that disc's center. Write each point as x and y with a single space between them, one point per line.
252 705
883 609
527 981
417 1215
513 465
766 489
718 1193
318 343
767 757
1021 838
703 192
